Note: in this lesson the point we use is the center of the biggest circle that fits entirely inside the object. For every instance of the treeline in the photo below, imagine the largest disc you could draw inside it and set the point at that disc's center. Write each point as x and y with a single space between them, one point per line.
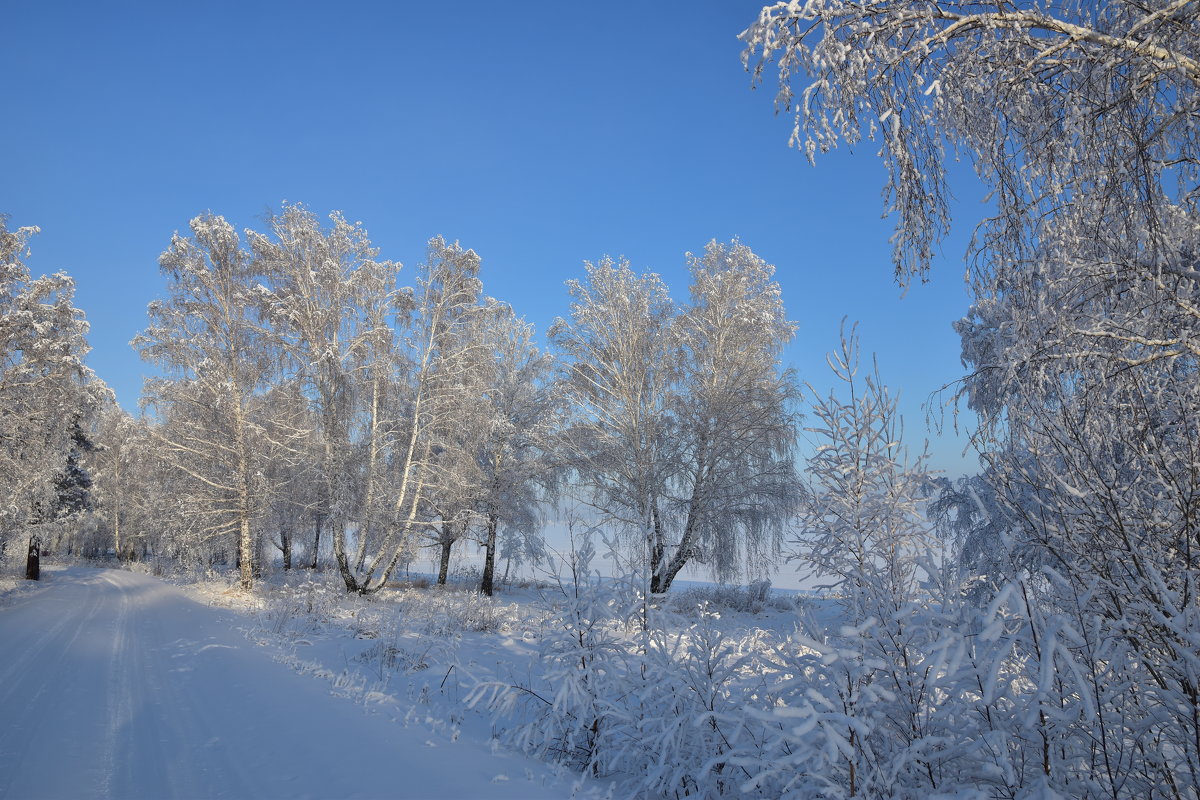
310 403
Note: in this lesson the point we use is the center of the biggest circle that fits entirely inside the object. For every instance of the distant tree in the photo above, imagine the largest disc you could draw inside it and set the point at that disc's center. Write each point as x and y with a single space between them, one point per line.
455 490
514 454
290 469
118 468
619 360
72 483
438 406
685 427
383 400
736 487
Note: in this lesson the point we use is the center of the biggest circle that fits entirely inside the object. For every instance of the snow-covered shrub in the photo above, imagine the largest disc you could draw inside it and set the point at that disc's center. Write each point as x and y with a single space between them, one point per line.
691 695
1017 699
620 695
300 607
445 611
582 655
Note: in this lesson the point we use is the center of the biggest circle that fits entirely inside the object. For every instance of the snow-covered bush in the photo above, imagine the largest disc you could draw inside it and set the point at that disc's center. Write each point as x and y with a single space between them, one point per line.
581 651
299 607
620 695
444 611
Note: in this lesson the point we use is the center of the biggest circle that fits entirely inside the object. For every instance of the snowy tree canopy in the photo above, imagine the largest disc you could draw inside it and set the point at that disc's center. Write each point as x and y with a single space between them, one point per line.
47 394
1050 102
209 338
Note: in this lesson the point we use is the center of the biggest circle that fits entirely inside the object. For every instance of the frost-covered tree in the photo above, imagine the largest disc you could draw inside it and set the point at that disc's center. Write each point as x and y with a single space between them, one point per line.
861 523
1086 383
61 517
736 483
685 424
862 529
121 481
620 355
209 341
514 455
493 462
1080 120
410 412
442 405
47 395
330 304
459 429
290 472
1051 102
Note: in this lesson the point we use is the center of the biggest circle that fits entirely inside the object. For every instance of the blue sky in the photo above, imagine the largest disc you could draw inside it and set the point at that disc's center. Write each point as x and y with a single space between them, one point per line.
540 134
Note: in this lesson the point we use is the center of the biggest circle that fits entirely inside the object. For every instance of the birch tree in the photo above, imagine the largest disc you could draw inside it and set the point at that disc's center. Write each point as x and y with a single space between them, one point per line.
1080 120
685 423
862 527
440 407
329 303
412 385
734 409
455 489
1086 384
620 357
1051 102
514 455
118 465
290 471
208 340
868 685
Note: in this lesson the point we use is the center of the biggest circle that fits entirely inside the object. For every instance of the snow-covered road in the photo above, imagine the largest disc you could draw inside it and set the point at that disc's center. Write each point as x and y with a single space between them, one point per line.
114 684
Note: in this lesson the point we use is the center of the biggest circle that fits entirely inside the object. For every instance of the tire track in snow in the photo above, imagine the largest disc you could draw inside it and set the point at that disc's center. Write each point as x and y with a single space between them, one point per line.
31 681
120 691
27 652
186 742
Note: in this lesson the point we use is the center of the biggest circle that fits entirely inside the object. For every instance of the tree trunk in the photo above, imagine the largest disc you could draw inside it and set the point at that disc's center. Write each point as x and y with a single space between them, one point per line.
446 543
246 543
368 512
657 552
258 560
33 567
664 574
662 579
343 563
316 542
489 558
285 541
661 582
116 524
245 554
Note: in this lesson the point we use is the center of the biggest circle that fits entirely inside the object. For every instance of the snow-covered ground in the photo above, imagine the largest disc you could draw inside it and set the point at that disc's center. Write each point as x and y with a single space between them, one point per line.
118 684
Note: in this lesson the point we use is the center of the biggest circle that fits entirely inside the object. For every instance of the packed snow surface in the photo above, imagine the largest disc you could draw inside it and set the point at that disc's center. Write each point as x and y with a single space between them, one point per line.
115 684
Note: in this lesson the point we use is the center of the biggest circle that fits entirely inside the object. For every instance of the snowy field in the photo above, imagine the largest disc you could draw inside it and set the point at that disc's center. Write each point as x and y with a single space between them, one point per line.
118 684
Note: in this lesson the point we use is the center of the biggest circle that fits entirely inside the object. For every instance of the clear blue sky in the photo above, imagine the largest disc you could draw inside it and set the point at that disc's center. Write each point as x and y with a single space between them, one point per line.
540 134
